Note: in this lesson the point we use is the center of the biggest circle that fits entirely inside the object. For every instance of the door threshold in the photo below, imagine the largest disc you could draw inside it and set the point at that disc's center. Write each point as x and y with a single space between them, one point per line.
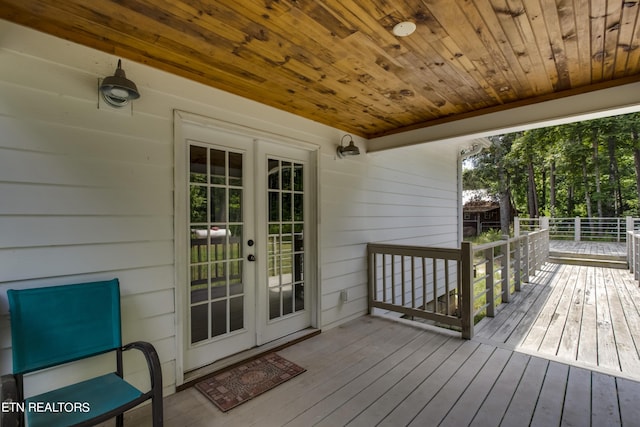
196 375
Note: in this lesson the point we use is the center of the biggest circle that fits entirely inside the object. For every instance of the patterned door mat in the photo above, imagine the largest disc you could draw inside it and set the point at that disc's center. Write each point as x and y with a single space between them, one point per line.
235 386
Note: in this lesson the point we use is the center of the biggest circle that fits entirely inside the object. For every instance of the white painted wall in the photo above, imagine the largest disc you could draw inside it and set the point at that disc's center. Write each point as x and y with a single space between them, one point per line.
87 194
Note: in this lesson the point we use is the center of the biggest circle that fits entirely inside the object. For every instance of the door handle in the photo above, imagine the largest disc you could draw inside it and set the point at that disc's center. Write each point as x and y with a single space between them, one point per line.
251 257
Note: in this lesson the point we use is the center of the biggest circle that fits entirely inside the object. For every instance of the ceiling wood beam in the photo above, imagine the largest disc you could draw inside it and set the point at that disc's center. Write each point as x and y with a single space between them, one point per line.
576 105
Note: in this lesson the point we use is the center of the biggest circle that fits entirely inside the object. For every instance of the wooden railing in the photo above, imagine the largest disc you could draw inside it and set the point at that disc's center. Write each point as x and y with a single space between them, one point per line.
633 253
452 287
580 229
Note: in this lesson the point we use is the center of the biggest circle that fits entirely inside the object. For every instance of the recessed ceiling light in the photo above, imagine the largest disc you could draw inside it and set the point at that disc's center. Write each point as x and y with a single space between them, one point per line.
404 29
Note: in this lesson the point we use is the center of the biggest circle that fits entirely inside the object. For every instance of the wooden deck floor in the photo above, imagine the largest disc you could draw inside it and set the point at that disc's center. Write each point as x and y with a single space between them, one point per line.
589 248
563 352
375 371
587 316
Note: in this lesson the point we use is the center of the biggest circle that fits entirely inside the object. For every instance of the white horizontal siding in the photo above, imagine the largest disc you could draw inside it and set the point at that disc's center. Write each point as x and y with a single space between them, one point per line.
405 197
87 194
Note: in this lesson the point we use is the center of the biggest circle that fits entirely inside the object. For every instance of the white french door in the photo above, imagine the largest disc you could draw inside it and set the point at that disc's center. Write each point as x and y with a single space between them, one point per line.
246 255
284 203
220 277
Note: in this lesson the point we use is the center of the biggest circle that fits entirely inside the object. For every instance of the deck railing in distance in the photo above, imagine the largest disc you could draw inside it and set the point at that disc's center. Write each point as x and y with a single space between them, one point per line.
580 229
633 253
438 284
501 267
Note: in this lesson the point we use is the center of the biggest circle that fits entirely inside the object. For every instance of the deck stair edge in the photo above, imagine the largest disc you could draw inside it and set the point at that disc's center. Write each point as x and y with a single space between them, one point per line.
591 260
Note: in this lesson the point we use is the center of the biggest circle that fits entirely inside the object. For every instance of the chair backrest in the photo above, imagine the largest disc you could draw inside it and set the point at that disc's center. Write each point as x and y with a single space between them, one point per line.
59 324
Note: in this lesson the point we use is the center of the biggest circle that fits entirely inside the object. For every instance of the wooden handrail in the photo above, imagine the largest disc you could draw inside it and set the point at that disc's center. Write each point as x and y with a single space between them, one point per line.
438 284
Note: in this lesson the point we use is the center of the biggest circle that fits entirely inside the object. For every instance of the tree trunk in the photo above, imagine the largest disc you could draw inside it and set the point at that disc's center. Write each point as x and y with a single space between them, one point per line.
587 195
570 201
532 195
614 177
596 172
505 202
636 158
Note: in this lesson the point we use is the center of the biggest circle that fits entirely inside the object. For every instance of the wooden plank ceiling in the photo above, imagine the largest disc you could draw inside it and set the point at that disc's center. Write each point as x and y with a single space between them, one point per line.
337 61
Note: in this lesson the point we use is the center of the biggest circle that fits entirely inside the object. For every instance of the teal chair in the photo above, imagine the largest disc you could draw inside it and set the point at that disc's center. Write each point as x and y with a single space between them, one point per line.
61 324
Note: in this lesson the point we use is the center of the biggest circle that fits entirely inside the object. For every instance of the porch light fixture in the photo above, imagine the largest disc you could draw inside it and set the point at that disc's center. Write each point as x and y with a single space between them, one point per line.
117 90
349 150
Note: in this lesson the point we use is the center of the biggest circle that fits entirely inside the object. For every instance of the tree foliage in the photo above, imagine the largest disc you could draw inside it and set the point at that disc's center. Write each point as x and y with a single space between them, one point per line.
588 168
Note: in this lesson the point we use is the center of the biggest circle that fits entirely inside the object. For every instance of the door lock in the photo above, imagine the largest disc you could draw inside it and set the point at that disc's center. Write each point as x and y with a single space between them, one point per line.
250 242
251 257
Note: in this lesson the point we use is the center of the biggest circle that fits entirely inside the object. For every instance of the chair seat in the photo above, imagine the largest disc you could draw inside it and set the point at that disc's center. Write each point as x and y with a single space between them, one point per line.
79 402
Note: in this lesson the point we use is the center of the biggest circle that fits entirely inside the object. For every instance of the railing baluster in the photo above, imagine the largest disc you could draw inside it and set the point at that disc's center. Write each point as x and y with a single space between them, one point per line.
384 277
462 260
393 279
402 277
413 282
435 285
446 287
424 283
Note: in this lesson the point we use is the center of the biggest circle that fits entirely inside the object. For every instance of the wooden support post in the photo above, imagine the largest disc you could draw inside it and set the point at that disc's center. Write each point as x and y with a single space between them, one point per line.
506 271
371 260
525 258
490 282
544 223
576 229
466 289
517 265
516 226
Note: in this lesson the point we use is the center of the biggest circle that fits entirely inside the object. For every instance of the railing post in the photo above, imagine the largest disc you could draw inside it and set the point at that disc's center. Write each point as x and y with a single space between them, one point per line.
371 277
544 222
490 282
525 258
630 258
517 264
516 226
576 229
466 286
506 271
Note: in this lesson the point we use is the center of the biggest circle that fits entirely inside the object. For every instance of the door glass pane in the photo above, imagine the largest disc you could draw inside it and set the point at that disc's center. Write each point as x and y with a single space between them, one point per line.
235 169
199 283
198 164
236 286
198 196
235 205
274 303
286 207
216 224
287 176
218 204
285 241
218 318
218 162
273 174
199 323
298 184
236 313
274 206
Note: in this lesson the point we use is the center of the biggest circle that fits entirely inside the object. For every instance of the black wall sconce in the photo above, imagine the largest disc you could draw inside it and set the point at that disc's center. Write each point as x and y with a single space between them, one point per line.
349 150
118 90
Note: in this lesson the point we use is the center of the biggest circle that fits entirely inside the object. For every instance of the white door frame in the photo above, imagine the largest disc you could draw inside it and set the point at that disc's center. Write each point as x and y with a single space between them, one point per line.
182 118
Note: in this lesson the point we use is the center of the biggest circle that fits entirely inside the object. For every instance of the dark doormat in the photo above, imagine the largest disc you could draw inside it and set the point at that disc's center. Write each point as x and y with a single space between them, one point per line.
235 386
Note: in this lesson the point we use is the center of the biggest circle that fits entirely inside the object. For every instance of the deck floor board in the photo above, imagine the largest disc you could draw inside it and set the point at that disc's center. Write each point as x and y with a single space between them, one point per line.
564 351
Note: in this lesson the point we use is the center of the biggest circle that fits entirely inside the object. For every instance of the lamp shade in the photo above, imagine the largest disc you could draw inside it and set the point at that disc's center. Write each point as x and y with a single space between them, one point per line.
349 150
117 90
